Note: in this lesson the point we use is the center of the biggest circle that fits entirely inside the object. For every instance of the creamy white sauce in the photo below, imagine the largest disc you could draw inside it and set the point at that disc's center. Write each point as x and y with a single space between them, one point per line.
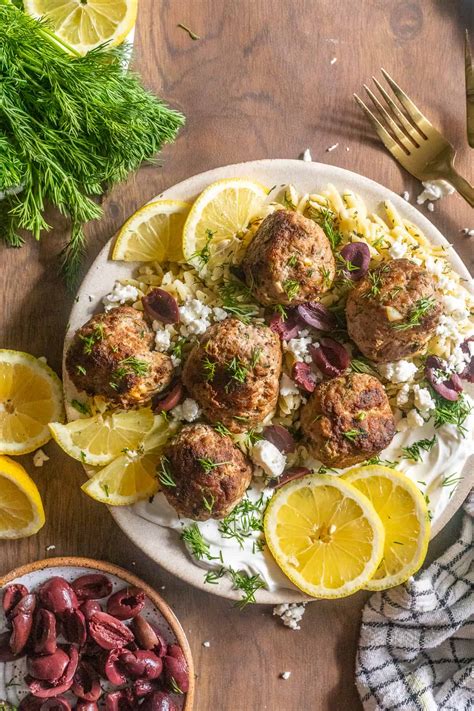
446 459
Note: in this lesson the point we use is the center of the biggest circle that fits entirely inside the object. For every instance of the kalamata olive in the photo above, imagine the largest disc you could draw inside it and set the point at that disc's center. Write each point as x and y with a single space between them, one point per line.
6 654
142 664
158 701
22 623
468 372
57 595
330 357
74 627
12 596
176 668
44 632
317 315
448 386
48 667
92 586
304 377
89 607
166 402
44 689
30 703
126 603
161 306
280 438
355 254
289 475
25 606
59 703
144 633
143 687
113 669
86 706
108 632
85 683
120 701
287 328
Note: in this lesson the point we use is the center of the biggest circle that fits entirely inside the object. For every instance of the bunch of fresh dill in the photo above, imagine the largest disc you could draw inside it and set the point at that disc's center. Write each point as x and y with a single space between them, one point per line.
70 127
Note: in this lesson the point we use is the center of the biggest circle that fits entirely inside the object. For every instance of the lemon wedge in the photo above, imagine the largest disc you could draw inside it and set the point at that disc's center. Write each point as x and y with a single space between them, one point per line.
223 211
325 535
99 439
21 509
87 24
404 514
132 476
30 397
153 233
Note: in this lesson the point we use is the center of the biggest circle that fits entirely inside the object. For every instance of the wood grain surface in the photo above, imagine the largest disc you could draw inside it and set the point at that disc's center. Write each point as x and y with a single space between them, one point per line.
259 83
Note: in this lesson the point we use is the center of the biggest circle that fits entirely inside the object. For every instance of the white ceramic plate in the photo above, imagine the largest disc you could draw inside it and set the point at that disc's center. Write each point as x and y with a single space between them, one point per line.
163 545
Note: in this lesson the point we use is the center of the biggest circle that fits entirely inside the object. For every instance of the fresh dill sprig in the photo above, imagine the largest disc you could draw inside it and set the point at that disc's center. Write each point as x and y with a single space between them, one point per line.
360 365
128 366
209 367
353 434
177 348
375 281
451 412
421 308
89 341
164 474
212 576
221 429
244 520
203 255
383 462
175 688
291 288
194 540
414 451
281 311
237 371
209 502
247 584
208 465
451 481
292 261
251 437
236 300
327 220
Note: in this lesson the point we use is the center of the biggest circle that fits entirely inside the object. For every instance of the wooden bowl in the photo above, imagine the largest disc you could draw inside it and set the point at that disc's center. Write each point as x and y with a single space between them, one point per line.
156 608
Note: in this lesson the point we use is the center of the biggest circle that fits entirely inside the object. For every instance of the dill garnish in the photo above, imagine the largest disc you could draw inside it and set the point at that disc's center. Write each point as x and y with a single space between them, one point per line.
203 255
244 520
212 576
451 412
209 502
360 365
221 429
383 462
236 299
247 584
416 316
194 540
291 287
237 371
292 261
327 220
95 337
81 407
209 368
128 366
175 688
251 437
375 280
208 465
415 450
164 474
352 435
451 481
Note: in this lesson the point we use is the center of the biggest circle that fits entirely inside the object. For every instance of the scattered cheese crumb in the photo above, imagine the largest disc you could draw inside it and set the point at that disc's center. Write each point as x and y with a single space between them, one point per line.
332 148
206 644
39 458
347 149
189 410
466 231
290 613
50 548
285 675
430 207
423 400
307 157
401 371
406 195
269 457
397 249
434 190
120 294
334 60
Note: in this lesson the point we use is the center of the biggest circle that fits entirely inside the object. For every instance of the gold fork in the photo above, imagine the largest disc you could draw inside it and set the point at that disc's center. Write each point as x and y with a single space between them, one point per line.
412 140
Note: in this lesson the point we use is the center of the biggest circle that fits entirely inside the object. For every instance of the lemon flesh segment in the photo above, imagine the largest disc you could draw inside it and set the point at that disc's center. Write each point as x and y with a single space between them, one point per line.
21 509
224 211
30 397
132 476
86 25
404 514
100 439
154 233
325 535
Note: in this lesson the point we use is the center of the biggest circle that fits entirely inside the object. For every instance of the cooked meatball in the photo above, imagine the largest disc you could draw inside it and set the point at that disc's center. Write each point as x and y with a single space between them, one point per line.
347 419
233 373
111 356
203 474
289 261
393 312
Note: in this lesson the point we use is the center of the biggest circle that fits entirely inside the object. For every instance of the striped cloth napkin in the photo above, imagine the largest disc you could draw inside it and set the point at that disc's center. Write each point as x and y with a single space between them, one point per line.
416 647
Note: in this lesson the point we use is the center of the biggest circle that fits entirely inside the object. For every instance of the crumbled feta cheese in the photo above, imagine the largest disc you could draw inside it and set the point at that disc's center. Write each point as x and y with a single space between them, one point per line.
287 386
455 306
333 60
448 329
285 675
401 371
194 317
219 314
269 457
291 613
189 410
414 419
175 361
39 458
406 195
332 148
206 644
50 548
459 359
299 347
162 340
402 395
398 249
434 190
307 157
435 266
423 400
120 294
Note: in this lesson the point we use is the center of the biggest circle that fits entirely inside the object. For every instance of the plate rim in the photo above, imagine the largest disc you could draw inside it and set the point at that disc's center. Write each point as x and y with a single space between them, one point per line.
189 572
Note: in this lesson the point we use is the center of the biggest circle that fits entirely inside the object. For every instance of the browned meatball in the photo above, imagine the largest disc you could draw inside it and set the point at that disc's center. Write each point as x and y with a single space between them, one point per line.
347 419
393 312
203 474
233 373
111 356
289 261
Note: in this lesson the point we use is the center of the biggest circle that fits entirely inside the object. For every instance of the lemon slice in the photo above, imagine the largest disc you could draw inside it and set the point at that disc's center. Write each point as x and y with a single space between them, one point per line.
223 211
132 476
100 439
87 24
154 233
21 509
404 514
30 397
325 535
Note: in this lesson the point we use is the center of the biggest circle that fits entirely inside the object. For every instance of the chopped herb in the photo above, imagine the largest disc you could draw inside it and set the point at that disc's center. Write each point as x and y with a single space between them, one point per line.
192 34
105 489
383 462
247 584
358 365
83 457
292 261
195 542
221 429
417 314
202 256
81 370
361 416
375 279
323 469
415 450
344 265
427 501
81 407
209 367
241 418
251 437
236 299
451 412
281 311
326 276
237 371
244 520
451 480
255 357
175 688
128 366
164 474
212 576
352 435
398 543
177 349
208 465
327 220
209 502
291 287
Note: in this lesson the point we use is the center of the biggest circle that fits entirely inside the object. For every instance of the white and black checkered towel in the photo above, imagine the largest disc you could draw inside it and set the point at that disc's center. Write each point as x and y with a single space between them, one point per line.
416 648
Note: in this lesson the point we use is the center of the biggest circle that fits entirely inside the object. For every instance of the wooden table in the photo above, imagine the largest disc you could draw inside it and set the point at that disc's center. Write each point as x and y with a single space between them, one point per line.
260 82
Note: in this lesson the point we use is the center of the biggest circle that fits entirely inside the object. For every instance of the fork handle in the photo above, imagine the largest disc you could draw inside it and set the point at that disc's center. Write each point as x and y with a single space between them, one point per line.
461 185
